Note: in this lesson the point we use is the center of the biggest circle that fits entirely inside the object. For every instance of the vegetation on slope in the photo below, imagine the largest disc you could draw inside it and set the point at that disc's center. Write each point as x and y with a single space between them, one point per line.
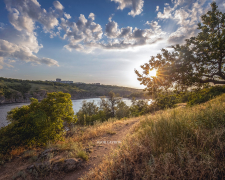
19 90
181 143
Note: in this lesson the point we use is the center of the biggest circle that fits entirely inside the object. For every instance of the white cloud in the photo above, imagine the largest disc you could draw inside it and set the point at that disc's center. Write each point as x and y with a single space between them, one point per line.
166 13
91 16
80 33
21 43
187 14
111 29
136 6
67 16
24 14
126 37
23 53
58 5
157 8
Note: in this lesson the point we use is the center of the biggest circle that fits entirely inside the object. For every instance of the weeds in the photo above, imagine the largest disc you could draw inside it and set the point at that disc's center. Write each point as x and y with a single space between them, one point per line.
111 132
82 154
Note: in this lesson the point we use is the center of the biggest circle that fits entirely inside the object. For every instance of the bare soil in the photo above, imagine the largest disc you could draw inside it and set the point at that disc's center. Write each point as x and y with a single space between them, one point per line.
102 147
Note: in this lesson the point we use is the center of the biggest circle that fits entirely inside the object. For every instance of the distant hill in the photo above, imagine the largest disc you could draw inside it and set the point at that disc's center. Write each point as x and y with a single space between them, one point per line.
18 90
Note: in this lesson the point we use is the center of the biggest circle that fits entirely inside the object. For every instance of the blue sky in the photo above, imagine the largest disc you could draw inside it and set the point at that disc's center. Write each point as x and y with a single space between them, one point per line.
91 40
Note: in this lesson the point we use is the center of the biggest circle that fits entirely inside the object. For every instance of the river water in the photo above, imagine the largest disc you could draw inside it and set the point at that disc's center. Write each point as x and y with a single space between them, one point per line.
77 104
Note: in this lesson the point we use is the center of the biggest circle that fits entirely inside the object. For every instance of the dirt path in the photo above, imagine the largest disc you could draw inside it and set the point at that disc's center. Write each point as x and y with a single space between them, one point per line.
102 147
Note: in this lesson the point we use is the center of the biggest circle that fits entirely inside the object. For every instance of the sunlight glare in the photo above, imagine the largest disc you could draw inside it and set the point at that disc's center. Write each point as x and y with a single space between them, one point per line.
152 72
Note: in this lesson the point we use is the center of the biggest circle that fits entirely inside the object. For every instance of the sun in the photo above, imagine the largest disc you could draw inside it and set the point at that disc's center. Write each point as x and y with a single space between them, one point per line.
152 73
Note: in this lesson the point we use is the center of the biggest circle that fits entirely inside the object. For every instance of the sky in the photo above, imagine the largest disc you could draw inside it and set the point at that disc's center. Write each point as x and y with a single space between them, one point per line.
92 41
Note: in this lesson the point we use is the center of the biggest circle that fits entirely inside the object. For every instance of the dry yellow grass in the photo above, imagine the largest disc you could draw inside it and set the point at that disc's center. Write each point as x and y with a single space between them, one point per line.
181 143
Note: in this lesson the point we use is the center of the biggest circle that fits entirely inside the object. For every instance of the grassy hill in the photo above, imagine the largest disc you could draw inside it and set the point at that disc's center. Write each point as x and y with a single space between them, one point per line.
180 143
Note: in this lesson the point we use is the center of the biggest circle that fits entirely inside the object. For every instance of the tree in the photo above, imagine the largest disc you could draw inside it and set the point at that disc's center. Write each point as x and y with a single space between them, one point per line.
39 122
109 105
200 60
88 113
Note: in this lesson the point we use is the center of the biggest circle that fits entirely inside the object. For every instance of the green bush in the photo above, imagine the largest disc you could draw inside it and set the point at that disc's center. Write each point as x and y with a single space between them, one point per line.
38 123
166 101
122 110
203 95
139 107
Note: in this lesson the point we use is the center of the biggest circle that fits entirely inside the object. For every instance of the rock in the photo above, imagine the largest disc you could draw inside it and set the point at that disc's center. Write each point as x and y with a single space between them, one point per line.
72 164
43 167
46 153
40 167
66 165
58 165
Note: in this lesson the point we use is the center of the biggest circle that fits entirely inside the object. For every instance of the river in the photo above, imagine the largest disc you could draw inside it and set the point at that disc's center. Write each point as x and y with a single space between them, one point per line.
77 104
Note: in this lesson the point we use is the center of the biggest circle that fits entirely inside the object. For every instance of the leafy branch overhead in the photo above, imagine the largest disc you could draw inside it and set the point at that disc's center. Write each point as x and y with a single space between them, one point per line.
200 60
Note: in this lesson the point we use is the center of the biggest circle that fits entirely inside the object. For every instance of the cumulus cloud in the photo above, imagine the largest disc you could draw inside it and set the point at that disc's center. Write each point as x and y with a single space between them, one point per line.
186 20
21 42
58 5
11 50
127 37
157 8
136 6
67 16
82 32
24 14
111 29
91 16
166 13
186 14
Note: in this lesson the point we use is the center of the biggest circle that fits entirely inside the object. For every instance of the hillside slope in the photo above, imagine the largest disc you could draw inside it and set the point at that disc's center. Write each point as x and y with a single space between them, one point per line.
16 90
180 143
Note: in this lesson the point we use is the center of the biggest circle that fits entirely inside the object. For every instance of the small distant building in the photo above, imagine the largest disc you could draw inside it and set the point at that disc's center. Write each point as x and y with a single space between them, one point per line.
58 80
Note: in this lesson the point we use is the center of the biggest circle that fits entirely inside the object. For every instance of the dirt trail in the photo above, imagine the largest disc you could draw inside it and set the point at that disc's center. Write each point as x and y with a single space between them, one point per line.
102 147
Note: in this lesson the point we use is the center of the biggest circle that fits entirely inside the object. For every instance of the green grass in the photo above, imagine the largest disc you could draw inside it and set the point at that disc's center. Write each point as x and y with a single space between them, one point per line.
181 143
83 155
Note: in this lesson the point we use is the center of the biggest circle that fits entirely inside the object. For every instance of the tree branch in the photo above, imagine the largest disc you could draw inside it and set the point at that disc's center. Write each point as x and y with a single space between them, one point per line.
212 81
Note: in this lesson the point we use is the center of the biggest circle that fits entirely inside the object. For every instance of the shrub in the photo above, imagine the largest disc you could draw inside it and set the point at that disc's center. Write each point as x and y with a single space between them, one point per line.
166 101
38 123
139 107
203 95
122 110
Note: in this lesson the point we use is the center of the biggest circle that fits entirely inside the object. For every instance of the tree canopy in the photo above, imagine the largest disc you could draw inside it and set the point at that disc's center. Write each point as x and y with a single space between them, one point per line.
39 122
200 59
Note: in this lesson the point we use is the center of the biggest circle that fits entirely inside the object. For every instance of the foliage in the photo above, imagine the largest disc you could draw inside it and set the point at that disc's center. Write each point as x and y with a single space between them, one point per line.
164 101
76 90
89 113
110 107
122 110
200 60
23 87
203 95
139 107
38 123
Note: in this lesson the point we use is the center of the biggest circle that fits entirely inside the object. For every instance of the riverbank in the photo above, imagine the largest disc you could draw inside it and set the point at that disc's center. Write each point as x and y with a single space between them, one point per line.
77 103
20 91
